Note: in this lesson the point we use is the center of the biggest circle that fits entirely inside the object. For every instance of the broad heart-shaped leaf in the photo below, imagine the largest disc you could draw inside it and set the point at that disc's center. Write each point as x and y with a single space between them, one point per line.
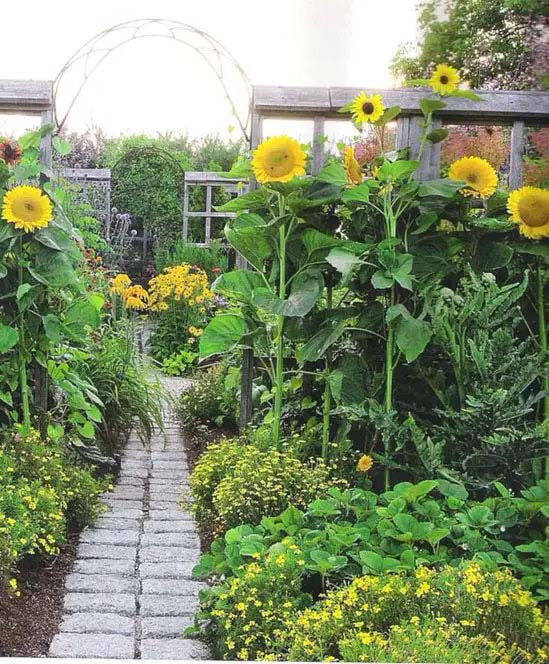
54 267
358 194
304 293
55 238
437 135
249 235
315 347
431 105
375 564
316 241
53 328
443 188
532 248
466 94
9 338
80 316
238 285
412 337
347 381
253 200
403 270
343 261
222 334
416 491
388 115
491 256
453 489
7 231
396 170
333 173
382 279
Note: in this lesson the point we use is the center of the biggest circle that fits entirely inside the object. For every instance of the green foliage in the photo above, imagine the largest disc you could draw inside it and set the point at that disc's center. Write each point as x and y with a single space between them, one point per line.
180 363
347 533
234 483
494 44
213 260
212 398
42 493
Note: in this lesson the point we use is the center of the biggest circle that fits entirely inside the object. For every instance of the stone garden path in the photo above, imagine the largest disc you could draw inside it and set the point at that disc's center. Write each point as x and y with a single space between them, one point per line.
130 594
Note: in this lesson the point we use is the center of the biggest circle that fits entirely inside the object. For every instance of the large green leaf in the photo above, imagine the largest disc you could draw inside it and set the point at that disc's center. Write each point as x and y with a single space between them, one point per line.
315 347
347 381
343 261
412 337
238 284
491 256
444 188
222 334
304 293
54 267
81 315
250 236
358 194
396 170
333 173
9 337
253 200
315 240
431 105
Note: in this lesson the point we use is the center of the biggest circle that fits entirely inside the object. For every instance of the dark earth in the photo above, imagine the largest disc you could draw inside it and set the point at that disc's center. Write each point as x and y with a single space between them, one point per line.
28 623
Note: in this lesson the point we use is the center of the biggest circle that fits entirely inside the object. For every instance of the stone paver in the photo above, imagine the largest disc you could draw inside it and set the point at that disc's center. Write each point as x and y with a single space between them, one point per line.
131 593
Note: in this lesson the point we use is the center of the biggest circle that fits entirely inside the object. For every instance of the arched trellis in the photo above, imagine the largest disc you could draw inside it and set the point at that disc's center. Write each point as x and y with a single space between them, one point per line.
143 151
94 52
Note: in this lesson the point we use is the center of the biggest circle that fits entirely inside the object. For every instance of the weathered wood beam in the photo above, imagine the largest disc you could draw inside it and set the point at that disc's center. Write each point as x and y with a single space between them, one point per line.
502 105
18 96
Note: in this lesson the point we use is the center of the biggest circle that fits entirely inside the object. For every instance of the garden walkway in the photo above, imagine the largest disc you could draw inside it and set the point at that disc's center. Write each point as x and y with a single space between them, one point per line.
130 594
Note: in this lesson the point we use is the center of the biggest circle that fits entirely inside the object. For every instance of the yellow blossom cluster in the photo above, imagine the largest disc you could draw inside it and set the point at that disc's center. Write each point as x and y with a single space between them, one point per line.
133 296
180 283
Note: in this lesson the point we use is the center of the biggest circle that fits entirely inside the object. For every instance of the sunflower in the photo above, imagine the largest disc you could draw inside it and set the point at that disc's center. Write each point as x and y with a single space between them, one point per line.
120 283
480 176
364 463
351 165
529 207
10 152
278 159
367 108
444 80
27 207
135 297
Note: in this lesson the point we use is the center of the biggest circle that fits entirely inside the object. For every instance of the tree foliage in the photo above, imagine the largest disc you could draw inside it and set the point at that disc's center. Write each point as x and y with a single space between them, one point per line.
494 43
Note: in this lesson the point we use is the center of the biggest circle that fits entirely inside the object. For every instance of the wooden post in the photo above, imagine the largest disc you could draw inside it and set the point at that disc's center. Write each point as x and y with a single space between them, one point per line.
318 144
516 154
208 226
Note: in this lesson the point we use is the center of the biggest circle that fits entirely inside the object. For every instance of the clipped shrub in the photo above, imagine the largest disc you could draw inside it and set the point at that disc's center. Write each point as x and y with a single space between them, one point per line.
42 494
467 598
234 483
211 400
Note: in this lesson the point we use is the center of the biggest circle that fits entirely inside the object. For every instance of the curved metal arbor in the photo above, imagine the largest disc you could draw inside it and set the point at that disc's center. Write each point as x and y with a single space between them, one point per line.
95 51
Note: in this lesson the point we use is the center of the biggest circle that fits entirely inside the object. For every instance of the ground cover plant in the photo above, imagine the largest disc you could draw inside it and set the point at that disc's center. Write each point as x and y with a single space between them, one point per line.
399 335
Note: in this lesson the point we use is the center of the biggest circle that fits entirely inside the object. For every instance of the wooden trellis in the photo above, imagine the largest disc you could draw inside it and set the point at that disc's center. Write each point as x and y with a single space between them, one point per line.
209 180
93 188
514 109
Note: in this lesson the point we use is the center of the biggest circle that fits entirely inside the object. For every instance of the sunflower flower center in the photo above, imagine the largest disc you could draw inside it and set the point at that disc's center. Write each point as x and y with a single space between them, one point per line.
367 107
26 210
279 163
534 211
444 79
472 178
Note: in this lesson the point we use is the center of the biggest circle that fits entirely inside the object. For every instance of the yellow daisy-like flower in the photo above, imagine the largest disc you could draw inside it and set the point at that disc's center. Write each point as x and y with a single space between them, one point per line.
444 80
120 283
135 297
529 207
27 207
480 176
351 165
364 463
367 108
278 159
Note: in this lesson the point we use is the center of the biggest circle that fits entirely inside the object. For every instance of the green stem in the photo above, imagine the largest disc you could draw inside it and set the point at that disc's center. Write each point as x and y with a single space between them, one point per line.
23 378
327 401
279 371
543 345
389 369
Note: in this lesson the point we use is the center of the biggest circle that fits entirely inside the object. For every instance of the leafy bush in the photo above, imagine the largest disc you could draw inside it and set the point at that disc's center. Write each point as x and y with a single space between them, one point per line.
41 494
212 398
353 532
213 260
248 614
234 483
179 364
430 639
486 603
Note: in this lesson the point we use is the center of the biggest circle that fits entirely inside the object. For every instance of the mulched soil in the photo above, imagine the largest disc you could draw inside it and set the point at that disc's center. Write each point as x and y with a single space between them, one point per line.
28 623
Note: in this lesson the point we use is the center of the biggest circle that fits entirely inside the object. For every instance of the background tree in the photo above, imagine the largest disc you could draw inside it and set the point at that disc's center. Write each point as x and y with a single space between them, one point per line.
494 43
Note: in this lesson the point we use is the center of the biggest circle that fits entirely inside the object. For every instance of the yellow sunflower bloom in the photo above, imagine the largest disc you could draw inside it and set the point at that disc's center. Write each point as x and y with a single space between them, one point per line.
444 80
278 159
351 165
480 176
529 207
364 463
120 283
135 297
27 207
367 108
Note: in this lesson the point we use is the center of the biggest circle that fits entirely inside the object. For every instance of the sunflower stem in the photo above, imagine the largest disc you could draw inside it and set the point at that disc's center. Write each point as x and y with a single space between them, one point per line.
543 345
327 400
279 370
22 360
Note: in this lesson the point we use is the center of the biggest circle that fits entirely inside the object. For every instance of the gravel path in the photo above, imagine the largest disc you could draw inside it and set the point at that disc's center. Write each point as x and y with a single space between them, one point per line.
130 594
